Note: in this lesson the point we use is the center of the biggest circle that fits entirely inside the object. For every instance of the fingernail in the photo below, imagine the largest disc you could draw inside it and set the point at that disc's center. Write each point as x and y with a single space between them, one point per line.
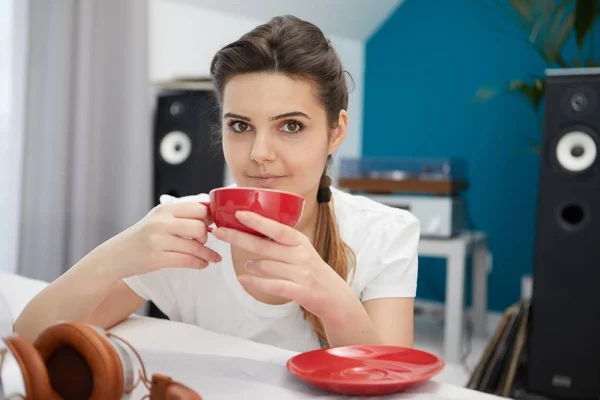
249 264
219 233
218 258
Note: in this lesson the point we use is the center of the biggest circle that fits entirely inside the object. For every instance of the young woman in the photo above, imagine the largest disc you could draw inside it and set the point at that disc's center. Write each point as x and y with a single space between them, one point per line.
347 273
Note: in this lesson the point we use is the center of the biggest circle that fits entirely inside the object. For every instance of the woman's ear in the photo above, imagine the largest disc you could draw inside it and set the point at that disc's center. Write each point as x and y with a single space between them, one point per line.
339 133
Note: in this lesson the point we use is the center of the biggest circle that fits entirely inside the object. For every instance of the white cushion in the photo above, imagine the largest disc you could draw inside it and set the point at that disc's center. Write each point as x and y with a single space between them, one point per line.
6 321
15 292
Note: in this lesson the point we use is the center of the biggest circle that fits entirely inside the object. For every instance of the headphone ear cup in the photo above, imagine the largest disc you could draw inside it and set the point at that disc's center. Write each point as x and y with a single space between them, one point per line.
33 369
81 363
177 391
164 388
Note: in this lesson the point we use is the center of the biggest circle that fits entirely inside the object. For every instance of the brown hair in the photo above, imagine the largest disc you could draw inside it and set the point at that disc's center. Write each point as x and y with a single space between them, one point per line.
298 49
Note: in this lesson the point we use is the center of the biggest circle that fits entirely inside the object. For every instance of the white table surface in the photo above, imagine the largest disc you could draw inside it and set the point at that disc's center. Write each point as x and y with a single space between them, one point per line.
225 367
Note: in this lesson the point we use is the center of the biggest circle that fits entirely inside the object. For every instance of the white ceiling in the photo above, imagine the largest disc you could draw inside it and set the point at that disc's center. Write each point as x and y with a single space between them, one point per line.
357 19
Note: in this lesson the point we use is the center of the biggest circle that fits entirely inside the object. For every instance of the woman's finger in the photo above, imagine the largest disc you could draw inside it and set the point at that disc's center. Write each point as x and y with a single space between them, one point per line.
276 287
277 270
192 247
172 259
254 244
188 209
277 231
189 228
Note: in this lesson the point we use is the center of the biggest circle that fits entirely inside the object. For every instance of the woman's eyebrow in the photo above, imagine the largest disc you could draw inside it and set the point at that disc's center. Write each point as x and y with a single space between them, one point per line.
277 117
237 116
290 114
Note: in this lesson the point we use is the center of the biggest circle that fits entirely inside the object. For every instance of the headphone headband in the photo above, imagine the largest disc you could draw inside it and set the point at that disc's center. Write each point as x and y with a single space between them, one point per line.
125 355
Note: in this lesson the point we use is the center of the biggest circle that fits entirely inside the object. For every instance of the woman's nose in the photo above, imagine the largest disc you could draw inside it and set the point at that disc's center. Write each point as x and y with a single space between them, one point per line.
262 149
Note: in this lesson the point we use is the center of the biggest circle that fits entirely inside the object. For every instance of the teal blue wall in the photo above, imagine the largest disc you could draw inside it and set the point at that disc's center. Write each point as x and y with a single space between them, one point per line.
422 68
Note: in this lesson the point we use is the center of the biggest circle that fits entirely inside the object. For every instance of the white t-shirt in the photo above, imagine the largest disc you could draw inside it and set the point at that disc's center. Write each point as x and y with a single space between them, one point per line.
384 240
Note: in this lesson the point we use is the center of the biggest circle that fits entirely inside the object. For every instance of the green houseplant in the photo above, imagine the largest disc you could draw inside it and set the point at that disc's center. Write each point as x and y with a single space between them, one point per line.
546 25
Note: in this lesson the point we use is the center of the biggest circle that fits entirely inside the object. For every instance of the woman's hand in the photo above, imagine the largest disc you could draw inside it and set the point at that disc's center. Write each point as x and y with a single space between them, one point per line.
169 236
289 267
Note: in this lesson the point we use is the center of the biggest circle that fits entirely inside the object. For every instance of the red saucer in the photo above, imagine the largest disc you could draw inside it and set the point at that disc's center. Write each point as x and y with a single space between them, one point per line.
365 370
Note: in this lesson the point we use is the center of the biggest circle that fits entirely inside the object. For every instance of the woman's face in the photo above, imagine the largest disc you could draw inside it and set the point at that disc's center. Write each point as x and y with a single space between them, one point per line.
275 132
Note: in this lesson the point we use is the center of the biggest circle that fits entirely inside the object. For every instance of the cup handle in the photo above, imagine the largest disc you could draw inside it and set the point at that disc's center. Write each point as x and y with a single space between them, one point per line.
207 205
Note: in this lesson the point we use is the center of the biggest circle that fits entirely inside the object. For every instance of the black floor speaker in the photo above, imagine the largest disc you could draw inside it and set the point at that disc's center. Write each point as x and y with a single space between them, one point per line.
564 336
188 158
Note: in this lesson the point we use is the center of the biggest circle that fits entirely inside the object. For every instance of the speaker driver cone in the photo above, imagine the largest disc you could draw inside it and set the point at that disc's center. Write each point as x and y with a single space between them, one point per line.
175 147
576 151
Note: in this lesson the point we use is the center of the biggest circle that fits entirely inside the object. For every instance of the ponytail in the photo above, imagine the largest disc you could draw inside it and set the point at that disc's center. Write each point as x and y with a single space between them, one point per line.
328 243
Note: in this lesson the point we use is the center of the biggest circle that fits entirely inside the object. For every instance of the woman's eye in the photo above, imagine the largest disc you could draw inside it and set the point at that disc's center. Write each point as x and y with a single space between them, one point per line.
292 127
239 126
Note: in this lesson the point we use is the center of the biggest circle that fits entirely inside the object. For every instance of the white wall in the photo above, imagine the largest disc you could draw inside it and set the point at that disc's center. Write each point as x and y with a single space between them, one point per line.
355 19
13 56
184 38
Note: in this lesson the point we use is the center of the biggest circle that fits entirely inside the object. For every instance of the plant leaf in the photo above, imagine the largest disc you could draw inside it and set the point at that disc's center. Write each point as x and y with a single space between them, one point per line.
486 93
511 13
561 61
558 17
525 10
531 146
538 50
584 19
561 26
532 92
534 145
561 38
548 26
537 92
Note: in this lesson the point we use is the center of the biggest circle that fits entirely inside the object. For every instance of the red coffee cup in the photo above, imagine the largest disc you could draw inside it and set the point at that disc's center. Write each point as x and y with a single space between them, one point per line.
283 207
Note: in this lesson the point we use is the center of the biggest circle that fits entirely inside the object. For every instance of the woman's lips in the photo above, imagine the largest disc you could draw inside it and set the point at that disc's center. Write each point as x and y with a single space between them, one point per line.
264 181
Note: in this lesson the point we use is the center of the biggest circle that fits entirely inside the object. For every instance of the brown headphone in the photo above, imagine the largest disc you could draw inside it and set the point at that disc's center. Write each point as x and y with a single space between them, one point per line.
73 361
